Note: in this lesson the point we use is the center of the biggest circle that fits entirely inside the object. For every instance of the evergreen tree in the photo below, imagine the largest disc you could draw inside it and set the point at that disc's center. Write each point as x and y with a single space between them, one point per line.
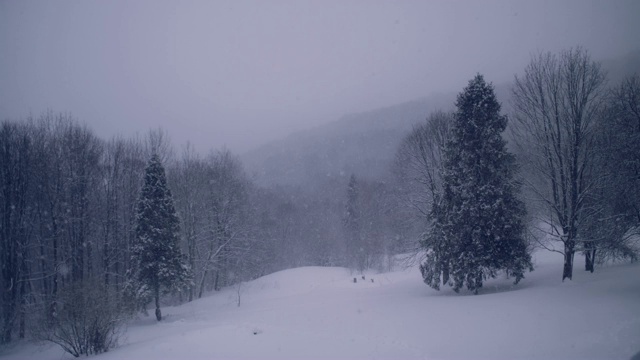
158 264
478 225
435 268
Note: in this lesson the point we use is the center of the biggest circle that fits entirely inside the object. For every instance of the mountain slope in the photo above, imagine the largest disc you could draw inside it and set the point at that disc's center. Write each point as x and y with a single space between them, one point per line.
363 144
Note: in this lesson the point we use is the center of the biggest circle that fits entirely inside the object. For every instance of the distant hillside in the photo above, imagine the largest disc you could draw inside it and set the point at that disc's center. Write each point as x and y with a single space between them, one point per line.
365 143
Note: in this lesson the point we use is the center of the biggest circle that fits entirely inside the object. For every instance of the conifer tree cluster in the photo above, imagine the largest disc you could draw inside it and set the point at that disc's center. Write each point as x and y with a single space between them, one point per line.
477 222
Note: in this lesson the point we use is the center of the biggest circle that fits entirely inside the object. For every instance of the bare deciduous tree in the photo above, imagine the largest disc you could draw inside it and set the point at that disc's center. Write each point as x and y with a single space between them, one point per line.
419 160
614 225
418 170
557 102
190 187
227 221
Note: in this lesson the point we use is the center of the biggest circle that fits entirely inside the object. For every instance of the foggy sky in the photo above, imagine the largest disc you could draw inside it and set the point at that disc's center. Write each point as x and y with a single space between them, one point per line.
240 73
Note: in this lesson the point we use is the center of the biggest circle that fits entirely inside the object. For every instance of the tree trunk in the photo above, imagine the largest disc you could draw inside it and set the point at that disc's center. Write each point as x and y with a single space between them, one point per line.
590 260
23 315
25 274
216 285
157 296
54 293
105 255
192 263
9 313
204 276
567 271
445 274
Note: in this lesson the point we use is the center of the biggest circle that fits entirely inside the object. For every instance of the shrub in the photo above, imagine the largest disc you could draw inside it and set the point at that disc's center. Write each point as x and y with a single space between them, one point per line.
84 320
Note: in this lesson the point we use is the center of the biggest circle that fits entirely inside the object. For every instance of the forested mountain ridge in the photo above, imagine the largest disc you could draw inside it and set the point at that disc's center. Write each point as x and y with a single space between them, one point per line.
365 143
362 143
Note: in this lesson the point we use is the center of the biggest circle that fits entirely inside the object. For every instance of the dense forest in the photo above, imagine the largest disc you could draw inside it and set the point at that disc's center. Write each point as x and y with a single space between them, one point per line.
93 231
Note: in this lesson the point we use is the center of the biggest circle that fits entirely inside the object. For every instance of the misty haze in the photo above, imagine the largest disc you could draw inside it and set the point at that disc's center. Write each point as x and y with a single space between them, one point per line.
320 179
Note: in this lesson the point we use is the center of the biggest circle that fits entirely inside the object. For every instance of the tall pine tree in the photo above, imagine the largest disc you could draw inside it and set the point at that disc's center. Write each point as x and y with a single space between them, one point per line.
477 224
158 264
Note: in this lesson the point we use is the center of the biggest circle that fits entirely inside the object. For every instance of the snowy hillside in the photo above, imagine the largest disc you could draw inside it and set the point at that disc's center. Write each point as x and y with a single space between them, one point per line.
320 313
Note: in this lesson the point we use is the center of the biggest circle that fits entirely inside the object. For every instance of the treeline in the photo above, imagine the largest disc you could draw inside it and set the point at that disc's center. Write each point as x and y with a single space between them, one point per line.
68 220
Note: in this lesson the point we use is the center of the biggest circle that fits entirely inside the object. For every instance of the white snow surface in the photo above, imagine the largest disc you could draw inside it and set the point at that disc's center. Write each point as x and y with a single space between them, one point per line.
320 313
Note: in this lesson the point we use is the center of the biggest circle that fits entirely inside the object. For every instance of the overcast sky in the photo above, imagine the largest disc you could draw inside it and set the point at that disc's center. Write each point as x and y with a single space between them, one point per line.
240 73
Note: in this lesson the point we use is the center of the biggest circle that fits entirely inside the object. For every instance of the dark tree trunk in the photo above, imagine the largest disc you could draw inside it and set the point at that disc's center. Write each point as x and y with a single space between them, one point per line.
204 276
77 263
567 271
192 263
445 275
590 260
43 268
216 282
25 274
54 292
105 263
157 296
9 280
9 311
23 313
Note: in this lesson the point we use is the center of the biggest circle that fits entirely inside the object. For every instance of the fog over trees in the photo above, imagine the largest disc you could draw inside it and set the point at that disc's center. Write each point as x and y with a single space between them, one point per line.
94 231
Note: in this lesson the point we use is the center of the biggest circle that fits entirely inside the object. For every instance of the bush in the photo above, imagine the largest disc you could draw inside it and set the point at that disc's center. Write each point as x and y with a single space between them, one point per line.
85 320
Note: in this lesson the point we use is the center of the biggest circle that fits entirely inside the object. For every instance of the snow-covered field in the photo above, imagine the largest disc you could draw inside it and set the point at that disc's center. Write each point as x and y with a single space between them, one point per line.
319 313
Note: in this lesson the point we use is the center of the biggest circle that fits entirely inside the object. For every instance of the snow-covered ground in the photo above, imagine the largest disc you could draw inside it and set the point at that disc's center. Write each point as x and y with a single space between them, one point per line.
319 313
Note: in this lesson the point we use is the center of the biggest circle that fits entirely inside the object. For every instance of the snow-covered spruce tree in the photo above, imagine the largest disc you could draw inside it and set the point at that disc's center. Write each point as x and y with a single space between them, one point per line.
158 266
479 219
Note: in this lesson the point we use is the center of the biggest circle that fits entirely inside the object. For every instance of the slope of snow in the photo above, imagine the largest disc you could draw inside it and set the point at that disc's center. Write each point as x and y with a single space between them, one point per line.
320 313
